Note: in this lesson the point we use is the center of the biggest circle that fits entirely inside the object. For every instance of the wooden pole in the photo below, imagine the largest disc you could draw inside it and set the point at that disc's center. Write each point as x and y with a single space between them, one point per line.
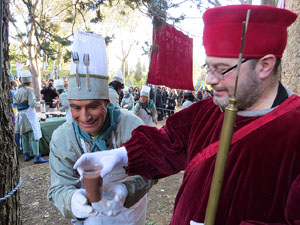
225 141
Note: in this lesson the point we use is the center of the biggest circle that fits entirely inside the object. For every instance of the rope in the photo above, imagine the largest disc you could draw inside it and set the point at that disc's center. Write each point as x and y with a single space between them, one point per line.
12 191
173 110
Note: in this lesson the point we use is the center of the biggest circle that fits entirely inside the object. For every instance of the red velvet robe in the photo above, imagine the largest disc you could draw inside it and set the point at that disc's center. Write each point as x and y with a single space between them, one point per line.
262 177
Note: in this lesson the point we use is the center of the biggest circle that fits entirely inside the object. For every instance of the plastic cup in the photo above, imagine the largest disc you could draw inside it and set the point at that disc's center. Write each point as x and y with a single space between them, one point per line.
92 182
42 108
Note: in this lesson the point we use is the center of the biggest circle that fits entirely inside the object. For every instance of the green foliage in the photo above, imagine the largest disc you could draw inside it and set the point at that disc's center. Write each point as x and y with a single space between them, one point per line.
13 69
138 71
15 54
69 20
146 48
150 223
135 83
157 10
131 80
62 41
109 39
97 5
67 56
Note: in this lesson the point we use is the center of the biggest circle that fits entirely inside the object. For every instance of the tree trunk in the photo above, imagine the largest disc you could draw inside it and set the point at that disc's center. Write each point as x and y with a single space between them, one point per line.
59 60
34 64
246 2
291 57
9 165
33 53
269 2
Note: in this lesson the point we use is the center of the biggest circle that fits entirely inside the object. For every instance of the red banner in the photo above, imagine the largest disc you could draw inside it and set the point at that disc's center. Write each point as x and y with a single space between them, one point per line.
171 59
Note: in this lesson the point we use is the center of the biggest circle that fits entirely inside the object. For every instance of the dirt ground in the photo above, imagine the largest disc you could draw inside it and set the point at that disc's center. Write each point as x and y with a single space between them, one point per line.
37 210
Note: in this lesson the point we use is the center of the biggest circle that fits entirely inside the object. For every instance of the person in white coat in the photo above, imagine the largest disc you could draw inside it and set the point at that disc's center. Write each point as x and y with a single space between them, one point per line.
115 88
128 100
64 105
27 123
97 125
145 108
188 99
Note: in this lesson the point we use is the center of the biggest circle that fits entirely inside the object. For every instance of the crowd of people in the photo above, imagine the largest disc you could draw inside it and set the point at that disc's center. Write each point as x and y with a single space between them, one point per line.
25 107
148 103
54 94
167 101
107 129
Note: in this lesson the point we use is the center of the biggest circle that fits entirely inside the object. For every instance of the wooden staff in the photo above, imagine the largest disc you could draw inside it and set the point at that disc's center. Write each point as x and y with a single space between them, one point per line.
225 141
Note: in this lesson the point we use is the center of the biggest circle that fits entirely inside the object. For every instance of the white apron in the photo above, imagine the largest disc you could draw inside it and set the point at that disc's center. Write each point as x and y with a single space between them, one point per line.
68 114
135 215
145 117
34 122
32 119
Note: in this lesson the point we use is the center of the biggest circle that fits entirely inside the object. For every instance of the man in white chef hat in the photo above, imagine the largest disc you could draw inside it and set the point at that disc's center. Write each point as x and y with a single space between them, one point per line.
97 125
145 108
27 123
64 105
115 87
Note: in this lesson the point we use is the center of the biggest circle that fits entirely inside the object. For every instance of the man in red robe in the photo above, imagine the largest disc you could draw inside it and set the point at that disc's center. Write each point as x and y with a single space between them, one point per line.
262 176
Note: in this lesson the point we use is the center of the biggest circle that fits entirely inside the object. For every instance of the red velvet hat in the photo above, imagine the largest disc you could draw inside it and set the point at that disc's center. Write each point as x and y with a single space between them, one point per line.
266 34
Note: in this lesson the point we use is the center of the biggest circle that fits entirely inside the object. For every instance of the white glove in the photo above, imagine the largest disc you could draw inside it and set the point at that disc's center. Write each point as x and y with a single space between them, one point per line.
107 160
79 205
195 223
113 198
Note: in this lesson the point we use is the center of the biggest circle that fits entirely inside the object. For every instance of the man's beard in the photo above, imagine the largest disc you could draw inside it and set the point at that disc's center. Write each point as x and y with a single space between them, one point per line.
248 92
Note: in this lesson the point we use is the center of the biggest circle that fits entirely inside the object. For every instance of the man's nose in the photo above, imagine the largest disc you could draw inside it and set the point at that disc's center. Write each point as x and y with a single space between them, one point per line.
212 79
85 115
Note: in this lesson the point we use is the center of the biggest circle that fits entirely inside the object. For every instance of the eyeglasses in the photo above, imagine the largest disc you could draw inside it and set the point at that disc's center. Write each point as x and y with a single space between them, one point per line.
221 72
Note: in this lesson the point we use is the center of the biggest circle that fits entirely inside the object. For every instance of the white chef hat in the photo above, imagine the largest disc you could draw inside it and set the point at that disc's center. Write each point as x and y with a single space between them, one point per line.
145 91
26 76
118 76
94 46
126 91
59 84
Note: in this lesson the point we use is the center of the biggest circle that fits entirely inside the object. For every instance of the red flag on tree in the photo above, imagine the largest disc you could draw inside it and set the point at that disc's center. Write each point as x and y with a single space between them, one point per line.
171 59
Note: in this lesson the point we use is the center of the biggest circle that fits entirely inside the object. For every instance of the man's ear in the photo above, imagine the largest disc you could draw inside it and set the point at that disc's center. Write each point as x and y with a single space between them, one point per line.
266 65
107 101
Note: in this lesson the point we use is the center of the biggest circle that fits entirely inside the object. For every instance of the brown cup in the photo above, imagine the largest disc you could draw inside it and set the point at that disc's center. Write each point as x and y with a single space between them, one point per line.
92 183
